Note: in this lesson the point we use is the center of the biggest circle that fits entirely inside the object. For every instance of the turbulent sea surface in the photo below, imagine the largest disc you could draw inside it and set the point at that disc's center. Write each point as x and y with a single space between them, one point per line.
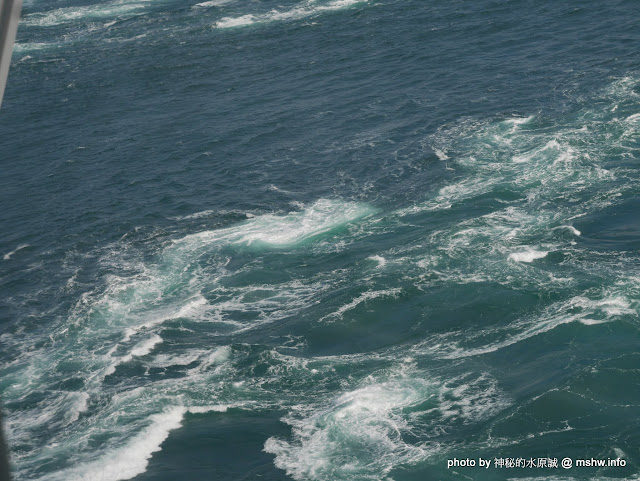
321 240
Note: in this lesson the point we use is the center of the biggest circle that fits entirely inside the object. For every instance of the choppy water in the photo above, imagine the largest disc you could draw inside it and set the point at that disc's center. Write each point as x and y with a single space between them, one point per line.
320 240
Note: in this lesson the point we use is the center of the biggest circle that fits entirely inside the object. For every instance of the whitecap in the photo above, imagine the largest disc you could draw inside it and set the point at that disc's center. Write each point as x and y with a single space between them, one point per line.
529 255
145 347
321 217
133 457
441 155
571 229
230 22
380 260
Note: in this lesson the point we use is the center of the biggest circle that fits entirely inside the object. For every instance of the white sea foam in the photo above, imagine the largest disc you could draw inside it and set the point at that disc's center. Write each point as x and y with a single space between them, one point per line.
145 347
88 13
142 348
211 3
519 120
194 308
380 260
363 430
366 296
612 306
307 10
470 399
464 189
132 458
441 155
78 403
61 409
128 332
212 408
528 255
168 360
196 215
230 22
24 47
633 118
592 322
619 453
540 163
360 434
8 255
571 229
218 356
319 218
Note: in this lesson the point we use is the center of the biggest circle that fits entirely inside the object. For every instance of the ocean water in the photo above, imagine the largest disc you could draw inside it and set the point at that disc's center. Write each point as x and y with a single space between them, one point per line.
321 239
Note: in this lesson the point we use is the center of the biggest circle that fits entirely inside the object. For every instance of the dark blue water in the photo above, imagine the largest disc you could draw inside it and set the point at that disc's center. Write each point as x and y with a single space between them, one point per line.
321 240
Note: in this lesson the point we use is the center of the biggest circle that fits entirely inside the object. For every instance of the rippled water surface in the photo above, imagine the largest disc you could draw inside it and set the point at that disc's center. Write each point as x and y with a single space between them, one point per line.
320 240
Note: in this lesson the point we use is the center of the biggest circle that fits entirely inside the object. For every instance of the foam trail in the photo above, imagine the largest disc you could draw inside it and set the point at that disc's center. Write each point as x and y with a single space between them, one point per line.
132 459
577 309
296 13
8 255
295 228
363 298
211 3
65 15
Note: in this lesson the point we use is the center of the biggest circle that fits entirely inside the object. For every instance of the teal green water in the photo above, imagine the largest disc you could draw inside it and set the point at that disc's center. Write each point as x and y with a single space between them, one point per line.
321 240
